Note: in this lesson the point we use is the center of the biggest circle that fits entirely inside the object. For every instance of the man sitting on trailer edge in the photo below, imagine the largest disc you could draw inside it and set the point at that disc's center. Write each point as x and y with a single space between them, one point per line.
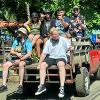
54 53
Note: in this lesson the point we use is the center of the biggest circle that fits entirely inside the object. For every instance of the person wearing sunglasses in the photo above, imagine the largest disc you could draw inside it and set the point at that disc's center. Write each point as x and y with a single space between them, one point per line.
44 30
20 55
33 26
78 22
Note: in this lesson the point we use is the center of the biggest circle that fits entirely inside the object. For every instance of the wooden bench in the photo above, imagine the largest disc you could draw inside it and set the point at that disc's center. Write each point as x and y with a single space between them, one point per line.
32 74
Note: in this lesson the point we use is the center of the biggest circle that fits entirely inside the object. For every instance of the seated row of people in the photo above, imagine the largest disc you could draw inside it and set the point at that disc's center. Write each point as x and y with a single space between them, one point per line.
40 25
56 34
54 53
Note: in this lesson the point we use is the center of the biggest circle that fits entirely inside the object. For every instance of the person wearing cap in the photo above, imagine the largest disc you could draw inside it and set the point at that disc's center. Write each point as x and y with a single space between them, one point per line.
78 22
21 51
33 26
54 53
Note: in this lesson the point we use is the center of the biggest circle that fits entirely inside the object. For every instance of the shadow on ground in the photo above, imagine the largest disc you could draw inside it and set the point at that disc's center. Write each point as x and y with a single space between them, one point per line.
51 94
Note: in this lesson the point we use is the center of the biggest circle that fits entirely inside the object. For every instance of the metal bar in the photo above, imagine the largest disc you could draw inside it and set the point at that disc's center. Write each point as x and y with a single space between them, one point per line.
47 74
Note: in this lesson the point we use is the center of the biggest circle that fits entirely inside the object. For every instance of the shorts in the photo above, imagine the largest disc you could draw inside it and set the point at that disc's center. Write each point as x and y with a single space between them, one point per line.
52 61
28 61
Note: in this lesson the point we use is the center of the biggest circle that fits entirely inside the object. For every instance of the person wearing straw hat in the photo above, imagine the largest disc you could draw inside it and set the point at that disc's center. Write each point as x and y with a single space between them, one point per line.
54 53
22 56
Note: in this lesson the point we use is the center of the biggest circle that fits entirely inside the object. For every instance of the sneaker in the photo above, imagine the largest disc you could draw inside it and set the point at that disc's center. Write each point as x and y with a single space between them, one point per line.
61 92
41 89
3 88
20 89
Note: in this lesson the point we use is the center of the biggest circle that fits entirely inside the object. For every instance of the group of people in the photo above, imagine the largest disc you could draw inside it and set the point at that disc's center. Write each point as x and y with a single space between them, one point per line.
55 34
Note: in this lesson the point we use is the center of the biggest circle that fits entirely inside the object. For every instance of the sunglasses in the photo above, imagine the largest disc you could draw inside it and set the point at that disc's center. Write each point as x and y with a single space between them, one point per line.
47 13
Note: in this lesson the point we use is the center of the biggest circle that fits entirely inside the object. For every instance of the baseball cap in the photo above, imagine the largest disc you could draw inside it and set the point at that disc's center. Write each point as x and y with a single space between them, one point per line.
76 8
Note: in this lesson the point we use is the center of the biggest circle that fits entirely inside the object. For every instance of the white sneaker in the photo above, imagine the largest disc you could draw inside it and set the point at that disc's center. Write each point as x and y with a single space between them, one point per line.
61 92
41 89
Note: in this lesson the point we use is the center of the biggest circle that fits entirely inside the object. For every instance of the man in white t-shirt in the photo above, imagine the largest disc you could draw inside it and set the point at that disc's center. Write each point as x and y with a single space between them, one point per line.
54 53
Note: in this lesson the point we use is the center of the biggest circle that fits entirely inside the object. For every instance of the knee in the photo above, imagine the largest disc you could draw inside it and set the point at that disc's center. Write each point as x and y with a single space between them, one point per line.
21 64
38 36
61 65
43 66
31 36
7 65
38 42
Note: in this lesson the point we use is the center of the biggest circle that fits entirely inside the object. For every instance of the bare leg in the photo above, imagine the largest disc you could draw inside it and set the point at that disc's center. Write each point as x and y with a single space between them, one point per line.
61 66
43 72
31 36
38 48
21 72
5 71
36 37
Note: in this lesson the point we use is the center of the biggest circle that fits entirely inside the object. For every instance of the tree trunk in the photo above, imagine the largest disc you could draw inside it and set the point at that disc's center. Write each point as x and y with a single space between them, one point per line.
28 10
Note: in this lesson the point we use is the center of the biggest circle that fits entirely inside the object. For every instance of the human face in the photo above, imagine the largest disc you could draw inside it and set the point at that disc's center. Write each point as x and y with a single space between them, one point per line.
20 34
34 19
59 16
62 12
75 12
47 15
55 35
42 17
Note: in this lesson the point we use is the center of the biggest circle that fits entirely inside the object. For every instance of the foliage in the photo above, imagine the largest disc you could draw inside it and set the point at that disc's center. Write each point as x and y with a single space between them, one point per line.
16 9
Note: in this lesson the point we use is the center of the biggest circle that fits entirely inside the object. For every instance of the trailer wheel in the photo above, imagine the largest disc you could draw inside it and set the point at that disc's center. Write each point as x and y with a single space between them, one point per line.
98 74
82 82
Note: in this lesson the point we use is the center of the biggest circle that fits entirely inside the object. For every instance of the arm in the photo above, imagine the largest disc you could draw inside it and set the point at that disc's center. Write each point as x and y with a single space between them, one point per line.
13 52
65 24
65 21
27 25
28 46
26 56
43 55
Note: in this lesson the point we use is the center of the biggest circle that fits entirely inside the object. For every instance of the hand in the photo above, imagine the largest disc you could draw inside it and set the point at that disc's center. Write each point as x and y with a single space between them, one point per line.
71 48
16 62
19 55
60 17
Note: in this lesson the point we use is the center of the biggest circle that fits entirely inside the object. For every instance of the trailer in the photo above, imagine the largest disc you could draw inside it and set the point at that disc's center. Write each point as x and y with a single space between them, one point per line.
84 61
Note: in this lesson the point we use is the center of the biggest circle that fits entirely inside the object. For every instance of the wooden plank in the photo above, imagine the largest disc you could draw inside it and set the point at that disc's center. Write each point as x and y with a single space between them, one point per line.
32 66
77 43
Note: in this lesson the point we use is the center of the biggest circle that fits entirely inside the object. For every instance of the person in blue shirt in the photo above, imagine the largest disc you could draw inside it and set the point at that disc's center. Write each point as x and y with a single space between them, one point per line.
21 50
54 53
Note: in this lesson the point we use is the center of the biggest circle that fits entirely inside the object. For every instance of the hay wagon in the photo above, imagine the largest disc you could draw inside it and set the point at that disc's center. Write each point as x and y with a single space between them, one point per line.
84 60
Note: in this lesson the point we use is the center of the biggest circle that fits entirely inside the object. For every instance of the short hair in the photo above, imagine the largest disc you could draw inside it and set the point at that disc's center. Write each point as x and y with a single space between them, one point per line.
53 29
61 9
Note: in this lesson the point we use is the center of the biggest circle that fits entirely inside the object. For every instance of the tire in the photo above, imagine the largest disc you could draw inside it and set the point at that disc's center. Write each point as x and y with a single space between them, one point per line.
82 82
98 74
